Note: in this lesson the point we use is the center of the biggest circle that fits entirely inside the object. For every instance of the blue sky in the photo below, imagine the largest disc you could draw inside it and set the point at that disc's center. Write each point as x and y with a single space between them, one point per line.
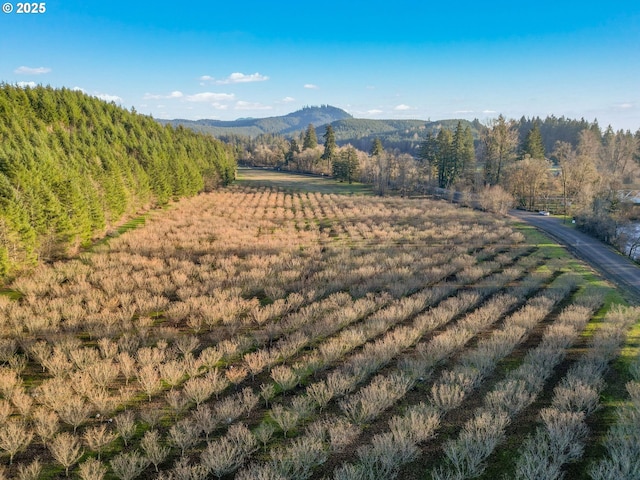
394 59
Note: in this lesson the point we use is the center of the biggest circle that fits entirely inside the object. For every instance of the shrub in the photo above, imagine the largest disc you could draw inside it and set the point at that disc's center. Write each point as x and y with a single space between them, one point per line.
284 417
419 423
285 377
264 433
386 454
299 458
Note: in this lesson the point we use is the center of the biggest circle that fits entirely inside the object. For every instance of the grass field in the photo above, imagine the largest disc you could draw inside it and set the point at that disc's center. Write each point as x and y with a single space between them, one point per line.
298 181
293 327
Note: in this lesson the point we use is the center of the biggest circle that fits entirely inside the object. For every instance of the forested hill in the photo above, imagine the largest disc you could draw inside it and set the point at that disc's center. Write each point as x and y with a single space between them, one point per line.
252 127
402 135
72 165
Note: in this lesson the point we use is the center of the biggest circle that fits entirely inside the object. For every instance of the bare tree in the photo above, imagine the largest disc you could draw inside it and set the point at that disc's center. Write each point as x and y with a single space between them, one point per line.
206 419
97 438
14 437
577 175
46 423
126 425
31 471
498 149
92 469
526 178
153 448
127 466
65 448
184 434
74 411
149 379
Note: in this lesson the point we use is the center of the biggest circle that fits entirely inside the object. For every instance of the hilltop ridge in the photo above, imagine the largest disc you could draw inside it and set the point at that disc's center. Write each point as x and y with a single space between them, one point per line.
359 132
281 125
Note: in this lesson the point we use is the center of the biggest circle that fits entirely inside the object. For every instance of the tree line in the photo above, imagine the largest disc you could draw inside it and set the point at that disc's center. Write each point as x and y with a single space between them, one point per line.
582 174
71 166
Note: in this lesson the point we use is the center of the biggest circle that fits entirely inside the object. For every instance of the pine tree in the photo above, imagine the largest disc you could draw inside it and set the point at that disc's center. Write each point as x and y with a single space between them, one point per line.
464 155
428 155
339 169
446 160
330 147
458 153
310 138
293 149
345 166
376 148
533 145
71 164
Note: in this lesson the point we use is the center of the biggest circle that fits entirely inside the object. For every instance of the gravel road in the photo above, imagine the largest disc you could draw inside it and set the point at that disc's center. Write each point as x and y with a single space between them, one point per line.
610 263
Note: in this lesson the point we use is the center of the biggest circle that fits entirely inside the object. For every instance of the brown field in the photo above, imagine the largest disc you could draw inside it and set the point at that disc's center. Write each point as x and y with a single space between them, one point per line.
289 327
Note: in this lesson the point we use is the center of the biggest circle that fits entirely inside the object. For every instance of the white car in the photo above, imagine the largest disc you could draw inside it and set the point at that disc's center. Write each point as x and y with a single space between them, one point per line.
544 213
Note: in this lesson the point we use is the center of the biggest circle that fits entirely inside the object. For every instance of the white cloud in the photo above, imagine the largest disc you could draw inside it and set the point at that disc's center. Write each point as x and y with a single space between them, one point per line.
311 86
288 100
374 112
489 111
402 107
625 106
109 98
206 78
238 77
211 97
174 94
32 71
27 84
463 111
242 105
102 96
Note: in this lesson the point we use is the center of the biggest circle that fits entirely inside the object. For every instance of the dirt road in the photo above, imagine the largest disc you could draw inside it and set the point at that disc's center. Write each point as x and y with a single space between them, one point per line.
611 264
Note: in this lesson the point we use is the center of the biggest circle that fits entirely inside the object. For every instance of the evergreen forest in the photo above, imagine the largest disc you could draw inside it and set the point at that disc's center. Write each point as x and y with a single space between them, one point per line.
73 166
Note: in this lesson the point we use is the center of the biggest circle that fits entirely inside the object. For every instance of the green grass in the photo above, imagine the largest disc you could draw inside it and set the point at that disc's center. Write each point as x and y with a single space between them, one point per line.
614 393
553 250
132 224
295 181
12 294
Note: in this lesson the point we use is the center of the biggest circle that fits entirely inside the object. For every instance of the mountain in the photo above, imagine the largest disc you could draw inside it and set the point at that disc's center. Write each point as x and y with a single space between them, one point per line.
403 135
252 127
